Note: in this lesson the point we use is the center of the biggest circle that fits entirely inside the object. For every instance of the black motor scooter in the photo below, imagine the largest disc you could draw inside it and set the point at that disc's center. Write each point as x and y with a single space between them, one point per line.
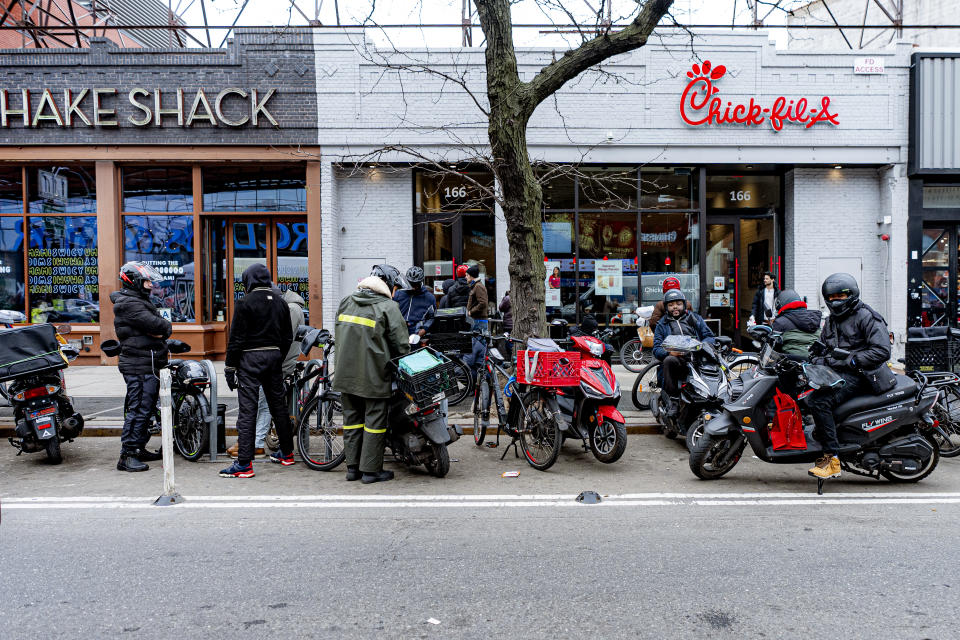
702 394
43 413
889 435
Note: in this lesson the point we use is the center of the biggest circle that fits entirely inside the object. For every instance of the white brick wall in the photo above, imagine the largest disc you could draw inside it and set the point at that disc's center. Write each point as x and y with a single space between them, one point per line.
368 215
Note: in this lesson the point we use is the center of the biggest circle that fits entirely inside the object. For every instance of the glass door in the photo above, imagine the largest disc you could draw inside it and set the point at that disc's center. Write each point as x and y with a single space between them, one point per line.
938 301
739 251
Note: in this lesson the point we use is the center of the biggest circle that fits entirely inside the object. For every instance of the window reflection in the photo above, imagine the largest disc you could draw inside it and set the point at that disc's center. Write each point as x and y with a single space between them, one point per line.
166 243
11 267
11 190
62 189
255 188
160 189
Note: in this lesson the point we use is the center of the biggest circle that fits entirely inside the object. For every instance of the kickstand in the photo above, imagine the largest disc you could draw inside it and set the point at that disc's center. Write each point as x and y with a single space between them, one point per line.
513 443
819 486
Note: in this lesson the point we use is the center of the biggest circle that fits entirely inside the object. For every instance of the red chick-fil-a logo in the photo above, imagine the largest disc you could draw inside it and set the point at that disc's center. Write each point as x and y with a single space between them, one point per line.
699 105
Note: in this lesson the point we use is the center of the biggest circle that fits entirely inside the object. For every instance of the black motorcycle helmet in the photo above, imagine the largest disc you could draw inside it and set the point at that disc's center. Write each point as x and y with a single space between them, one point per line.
675 295
840 283
389 274
789 299
134 274
415 277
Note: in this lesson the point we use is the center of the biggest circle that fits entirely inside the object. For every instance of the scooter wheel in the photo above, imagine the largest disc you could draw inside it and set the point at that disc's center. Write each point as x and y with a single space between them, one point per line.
608 440
439 466
53 450
704 457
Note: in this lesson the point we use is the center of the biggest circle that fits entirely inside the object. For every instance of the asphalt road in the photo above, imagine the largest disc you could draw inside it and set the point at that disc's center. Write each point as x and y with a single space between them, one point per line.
297 553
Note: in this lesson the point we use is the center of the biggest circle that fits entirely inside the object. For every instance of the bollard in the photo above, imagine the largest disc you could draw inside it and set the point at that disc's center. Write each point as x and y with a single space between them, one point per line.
170 495
212 418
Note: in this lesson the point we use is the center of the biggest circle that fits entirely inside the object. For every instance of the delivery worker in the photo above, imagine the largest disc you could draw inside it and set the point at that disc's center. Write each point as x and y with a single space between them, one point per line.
370 331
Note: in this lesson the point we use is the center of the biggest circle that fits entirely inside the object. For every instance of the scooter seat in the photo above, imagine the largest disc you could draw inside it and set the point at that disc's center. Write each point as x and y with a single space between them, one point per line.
724 341
905 388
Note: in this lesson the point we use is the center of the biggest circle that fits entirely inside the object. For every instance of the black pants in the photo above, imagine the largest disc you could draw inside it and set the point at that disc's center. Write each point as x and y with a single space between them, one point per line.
824 401
141 403
674 372
261 369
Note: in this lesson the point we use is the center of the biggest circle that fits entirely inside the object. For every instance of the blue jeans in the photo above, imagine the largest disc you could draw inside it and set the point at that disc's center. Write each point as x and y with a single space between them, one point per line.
263 420
475 359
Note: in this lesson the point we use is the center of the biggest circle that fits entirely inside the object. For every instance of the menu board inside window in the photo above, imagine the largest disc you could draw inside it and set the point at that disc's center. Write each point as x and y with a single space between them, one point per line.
62 269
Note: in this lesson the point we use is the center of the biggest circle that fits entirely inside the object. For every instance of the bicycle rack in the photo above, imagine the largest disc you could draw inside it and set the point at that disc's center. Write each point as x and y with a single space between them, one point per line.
212 418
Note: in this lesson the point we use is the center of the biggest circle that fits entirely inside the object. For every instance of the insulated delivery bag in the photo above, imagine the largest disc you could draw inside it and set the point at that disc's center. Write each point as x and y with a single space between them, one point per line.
28 350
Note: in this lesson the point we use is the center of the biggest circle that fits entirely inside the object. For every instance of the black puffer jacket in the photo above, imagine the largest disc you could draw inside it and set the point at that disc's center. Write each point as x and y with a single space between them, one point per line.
261 319
138 325
863 332
459 293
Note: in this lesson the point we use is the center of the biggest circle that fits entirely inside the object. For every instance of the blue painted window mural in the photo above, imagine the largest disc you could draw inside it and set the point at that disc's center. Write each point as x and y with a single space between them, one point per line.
166 243
11 269
62 269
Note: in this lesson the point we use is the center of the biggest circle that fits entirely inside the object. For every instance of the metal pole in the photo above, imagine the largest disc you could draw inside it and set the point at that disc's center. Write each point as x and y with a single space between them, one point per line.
170 495
212 418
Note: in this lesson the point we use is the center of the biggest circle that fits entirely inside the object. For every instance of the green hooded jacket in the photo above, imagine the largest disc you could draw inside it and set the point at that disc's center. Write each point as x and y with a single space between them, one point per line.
370 331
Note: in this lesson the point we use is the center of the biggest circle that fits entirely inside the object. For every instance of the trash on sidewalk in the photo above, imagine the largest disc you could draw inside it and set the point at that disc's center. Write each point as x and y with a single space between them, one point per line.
433 621
510 474
589 497
492 445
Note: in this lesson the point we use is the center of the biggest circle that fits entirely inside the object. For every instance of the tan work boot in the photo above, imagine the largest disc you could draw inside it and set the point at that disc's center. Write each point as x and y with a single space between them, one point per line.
826 467
234 450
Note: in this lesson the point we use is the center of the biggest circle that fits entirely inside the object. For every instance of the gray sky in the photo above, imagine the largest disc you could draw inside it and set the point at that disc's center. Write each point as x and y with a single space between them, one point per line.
279 12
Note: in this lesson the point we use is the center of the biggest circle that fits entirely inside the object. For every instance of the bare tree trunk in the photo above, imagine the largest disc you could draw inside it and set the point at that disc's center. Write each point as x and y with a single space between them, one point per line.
512 103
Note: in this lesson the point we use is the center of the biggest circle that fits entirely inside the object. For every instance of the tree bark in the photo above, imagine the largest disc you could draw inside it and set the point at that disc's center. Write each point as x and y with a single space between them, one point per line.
512 103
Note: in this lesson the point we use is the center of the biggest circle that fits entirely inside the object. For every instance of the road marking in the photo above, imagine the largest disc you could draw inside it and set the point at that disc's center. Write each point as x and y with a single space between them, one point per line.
480 501
90 415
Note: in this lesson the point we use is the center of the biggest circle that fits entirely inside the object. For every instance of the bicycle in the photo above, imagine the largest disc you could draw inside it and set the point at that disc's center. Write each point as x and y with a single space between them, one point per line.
319 438
946 411
465 383
532 419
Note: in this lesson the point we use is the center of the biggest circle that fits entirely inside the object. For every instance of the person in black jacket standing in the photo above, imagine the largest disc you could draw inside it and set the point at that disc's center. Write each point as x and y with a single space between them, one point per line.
855 327
765 300
143 334
260 336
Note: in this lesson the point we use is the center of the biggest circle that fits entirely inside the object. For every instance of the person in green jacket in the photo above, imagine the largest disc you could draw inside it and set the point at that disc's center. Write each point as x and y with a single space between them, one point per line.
370 331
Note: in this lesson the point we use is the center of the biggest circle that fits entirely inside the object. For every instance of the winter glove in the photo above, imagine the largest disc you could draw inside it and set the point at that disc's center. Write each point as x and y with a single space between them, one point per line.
231 375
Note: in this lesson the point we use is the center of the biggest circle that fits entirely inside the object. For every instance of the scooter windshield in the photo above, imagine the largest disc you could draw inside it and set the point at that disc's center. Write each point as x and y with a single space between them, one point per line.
821 376
682 344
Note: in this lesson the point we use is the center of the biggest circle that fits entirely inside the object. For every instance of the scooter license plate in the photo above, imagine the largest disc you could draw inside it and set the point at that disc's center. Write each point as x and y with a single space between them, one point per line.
43 419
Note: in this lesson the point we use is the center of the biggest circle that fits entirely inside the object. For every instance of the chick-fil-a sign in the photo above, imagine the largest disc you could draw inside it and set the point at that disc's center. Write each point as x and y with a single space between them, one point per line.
700 105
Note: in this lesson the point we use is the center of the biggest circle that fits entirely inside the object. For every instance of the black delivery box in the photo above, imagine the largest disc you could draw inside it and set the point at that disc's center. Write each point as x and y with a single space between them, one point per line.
27 350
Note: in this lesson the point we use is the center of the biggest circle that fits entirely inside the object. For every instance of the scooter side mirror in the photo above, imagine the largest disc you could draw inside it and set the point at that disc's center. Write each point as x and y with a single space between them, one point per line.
70 352
414 339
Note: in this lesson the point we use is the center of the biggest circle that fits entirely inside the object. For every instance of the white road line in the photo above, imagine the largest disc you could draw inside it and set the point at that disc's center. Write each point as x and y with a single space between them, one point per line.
479 501
90 415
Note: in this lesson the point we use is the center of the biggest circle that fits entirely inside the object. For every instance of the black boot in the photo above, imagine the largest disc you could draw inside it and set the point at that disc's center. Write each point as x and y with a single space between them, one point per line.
380 476
129 463
148 456
353 473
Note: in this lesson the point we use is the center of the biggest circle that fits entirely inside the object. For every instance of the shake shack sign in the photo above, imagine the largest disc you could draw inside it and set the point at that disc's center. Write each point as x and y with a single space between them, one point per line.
98 107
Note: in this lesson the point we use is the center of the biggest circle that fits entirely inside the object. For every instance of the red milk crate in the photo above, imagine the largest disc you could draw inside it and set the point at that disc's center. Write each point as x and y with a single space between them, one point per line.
549 368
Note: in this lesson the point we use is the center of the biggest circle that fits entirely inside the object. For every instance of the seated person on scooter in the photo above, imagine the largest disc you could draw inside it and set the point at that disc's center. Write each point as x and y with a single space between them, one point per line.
854 327
658 309
417 303
798 326
678 321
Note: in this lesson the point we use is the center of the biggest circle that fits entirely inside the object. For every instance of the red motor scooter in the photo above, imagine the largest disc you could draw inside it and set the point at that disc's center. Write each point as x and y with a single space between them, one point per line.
589 411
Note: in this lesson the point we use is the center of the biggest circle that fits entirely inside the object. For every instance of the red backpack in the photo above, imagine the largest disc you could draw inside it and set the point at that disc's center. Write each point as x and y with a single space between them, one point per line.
787 429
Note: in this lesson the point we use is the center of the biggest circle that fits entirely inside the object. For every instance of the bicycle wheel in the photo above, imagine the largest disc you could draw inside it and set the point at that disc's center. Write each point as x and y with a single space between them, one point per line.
740 364
947 412
481 410
465 382
190 427
319 437
633 357
540 429
646 386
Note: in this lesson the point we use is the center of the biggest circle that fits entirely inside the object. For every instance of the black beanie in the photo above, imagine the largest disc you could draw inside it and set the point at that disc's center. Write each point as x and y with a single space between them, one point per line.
474 271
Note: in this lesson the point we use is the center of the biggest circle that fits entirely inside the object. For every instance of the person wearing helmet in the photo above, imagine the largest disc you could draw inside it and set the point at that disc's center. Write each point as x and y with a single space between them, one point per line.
658 309
370 331
417 303
260 338
677 321
143 334
799 326
854 327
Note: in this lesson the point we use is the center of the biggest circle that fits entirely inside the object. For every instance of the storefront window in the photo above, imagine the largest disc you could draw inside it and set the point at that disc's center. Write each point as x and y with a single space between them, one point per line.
292 269
467 191
437 253
255 188
668 188
670 246
62 269
559 190
11 265
214 248
157 189
742 191
608 264
560 263
479 247
249 247
62 189
608 189
166 243
11 190
936 276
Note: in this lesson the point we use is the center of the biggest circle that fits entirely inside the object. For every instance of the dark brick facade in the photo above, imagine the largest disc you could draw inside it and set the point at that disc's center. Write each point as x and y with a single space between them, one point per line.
254 60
